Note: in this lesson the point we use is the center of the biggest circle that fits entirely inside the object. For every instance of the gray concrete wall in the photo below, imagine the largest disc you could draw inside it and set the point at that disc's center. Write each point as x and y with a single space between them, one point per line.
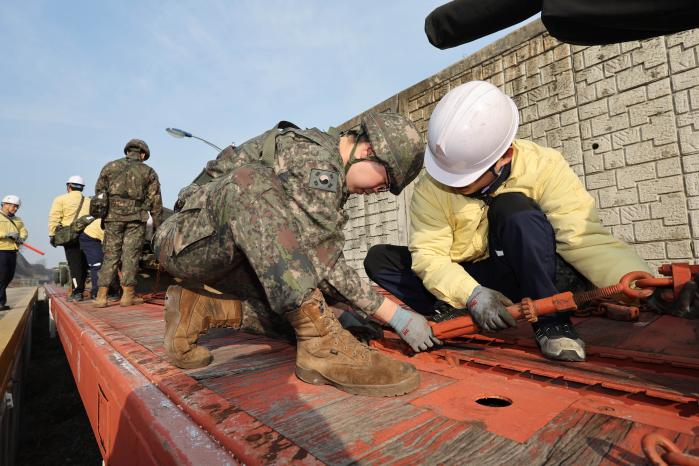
625 116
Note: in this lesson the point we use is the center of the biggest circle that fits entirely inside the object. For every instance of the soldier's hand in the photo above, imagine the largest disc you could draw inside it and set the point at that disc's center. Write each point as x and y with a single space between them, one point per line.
363 329
413 329
52 241
686 305
487 307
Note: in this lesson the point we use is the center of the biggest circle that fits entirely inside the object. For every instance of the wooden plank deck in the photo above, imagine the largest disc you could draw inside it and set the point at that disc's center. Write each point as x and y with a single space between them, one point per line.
596 412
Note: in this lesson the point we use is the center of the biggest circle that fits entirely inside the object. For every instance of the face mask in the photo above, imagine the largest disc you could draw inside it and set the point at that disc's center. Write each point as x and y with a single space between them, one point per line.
485 193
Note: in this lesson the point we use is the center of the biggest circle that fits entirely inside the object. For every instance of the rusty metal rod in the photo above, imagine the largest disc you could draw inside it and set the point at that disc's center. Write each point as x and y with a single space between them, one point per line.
531 309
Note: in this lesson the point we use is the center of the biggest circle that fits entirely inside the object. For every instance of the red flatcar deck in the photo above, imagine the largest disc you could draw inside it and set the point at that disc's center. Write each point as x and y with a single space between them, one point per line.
481 400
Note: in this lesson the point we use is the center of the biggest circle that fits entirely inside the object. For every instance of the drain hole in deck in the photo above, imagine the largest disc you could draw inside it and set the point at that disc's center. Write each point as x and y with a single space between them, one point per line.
494 401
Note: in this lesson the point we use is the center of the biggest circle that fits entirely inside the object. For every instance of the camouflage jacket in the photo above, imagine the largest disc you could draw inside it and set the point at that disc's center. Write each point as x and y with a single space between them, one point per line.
134 190
310 168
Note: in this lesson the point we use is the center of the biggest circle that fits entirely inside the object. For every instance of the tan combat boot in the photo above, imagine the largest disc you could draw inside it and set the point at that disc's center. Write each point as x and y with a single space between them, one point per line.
189 313
328 354
101 299
128 297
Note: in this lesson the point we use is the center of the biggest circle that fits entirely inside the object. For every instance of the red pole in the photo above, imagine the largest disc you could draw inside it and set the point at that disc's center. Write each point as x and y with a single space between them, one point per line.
29 246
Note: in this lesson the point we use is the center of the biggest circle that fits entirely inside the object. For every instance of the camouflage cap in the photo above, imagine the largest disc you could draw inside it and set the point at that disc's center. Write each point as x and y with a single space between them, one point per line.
398 144
137 144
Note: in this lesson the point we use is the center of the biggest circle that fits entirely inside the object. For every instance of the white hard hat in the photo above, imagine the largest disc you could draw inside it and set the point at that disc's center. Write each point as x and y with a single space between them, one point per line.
76 179
471 127
12 199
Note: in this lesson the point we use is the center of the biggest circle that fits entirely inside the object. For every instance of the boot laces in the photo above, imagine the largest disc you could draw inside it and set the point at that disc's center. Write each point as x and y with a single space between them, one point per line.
344 339
222 323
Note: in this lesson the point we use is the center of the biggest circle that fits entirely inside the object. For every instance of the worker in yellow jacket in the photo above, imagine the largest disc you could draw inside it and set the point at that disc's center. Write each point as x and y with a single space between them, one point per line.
12 235
497 219
64 211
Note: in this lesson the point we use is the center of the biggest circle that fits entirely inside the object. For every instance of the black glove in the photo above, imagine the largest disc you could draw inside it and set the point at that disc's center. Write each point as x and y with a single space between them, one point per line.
487 308
363 329
686 305
52 241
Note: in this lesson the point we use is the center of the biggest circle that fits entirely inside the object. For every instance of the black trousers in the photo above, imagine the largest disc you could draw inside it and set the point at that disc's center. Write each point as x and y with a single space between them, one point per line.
77 265
8 264
522 260
92 249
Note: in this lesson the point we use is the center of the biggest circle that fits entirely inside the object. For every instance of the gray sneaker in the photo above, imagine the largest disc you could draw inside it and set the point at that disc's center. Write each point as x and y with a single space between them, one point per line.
559 340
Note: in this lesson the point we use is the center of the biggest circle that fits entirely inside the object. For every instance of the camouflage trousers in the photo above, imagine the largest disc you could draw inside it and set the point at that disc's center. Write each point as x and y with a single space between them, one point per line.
123 242
237 235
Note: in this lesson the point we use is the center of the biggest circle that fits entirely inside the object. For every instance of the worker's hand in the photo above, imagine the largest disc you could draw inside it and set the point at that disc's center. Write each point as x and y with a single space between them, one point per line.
487 308
52 241
686 305
13 235
414 329
363 329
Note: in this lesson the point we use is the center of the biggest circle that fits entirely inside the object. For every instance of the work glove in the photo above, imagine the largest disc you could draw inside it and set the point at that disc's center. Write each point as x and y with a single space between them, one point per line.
413 329
13 235
363 329
686 305
52 241
487 308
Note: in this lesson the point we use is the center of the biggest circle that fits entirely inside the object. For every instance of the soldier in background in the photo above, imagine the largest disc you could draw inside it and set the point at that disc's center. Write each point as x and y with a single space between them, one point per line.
133 191
12 235
261 245
65 209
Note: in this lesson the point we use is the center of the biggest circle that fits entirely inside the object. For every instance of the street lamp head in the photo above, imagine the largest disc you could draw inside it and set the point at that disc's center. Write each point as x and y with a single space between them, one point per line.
178 133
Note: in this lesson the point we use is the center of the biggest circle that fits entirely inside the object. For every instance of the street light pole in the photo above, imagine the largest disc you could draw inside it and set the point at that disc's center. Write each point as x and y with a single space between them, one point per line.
178 133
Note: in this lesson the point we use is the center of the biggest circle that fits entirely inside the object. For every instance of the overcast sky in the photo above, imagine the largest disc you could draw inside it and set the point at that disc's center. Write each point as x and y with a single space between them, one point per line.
80 78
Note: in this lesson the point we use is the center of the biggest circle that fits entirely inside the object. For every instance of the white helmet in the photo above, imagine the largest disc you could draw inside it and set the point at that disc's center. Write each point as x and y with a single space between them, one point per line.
12 199
76 179
471 127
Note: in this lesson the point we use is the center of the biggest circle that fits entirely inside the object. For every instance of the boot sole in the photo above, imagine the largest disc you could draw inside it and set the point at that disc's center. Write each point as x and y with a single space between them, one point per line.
187 365
398 389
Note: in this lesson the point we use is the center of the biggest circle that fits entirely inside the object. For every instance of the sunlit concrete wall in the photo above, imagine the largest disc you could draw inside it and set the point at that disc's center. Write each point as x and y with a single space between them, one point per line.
625 116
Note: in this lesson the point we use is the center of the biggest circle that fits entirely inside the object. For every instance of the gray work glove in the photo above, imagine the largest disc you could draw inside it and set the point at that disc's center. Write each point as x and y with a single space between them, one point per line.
13 235
487 308
414 329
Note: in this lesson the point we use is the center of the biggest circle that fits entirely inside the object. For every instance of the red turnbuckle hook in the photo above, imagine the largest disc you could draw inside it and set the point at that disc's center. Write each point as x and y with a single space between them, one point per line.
672 456
530 309
623 287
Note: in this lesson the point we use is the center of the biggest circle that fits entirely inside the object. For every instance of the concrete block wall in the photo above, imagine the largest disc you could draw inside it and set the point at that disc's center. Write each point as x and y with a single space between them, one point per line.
625 116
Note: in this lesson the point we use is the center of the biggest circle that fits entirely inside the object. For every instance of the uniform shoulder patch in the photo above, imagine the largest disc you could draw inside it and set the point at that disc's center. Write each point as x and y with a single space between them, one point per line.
324 179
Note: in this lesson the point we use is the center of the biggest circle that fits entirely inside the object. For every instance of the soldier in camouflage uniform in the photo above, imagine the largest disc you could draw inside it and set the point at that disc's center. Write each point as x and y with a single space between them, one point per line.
265 231
134 190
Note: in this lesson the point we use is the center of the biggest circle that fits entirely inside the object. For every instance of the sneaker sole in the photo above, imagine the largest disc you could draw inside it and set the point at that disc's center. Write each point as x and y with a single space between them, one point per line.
401 388
567 355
